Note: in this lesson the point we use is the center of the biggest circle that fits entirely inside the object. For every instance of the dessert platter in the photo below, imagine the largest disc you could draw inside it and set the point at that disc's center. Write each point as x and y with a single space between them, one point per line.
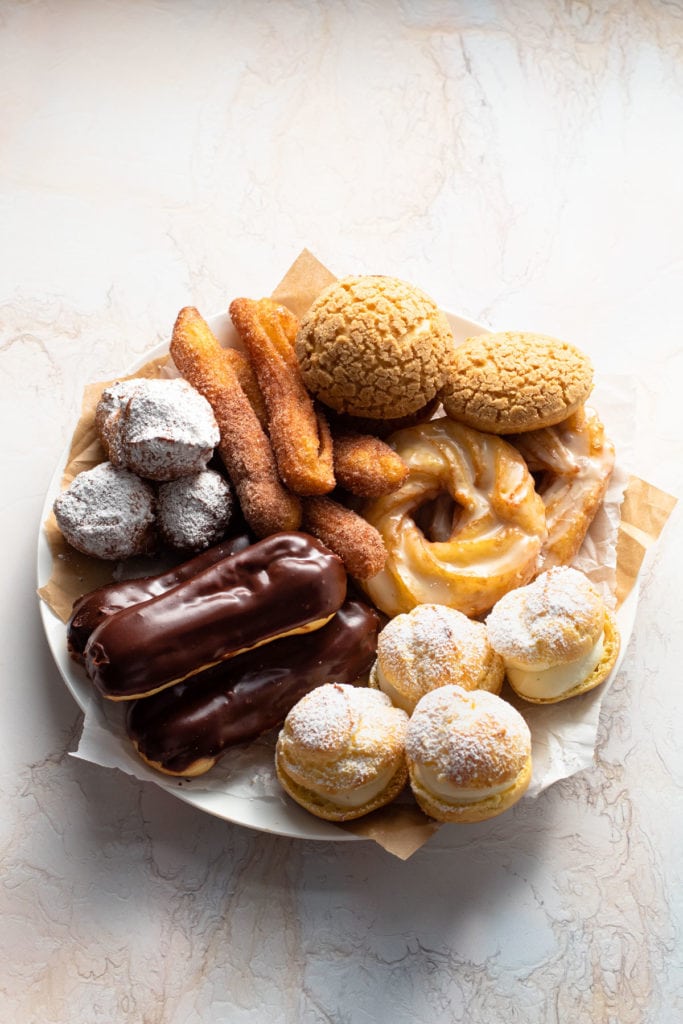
313 567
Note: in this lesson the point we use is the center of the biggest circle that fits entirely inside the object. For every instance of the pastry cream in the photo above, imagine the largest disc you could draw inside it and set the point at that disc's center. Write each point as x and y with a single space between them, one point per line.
358 795
541 683
437 786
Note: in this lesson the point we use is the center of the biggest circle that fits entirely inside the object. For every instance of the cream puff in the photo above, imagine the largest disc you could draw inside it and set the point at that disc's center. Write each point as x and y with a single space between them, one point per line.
432 646
340 753
468 754
556 636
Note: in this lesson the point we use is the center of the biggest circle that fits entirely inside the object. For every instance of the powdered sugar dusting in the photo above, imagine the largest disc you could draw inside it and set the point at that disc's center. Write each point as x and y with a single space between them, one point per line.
159 429
474 739
325 718
550 621
194 511
107 414
433 645
107 513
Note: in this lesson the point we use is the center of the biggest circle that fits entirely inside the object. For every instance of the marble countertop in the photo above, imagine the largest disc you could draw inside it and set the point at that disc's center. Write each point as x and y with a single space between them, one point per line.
522 163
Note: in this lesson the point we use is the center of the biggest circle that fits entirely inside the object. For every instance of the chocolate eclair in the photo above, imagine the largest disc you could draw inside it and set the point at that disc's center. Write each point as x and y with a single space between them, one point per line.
92 608
287 583
184 729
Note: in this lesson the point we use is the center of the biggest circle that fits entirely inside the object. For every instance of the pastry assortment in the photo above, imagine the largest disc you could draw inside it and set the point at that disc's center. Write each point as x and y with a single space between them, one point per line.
408 509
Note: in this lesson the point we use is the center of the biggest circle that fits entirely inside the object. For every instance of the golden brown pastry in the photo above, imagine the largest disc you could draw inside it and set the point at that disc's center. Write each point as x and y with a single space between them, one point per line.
555 636
433 646
510 382
469 754
343 531
244 447
465 527
299 432
340 753
572 463
364 465
374 346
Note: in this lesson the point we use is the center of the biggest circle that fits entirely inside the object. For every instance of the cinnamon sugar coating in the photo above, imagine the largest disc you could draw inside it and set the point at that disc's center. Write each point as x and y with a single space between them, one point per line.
298 431
510 382
374 346
349 535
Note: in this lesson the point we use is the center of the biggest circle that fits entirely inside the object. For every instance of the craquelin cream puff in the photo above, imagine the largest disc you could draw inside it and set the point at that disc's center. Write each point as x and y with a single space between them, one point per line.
556 636
468 754
340 753
432 646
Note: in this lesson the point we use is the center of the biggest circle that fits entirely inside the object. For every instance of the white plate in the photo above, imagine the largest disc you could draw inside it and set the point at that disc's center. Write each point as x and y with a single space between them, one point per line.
276 815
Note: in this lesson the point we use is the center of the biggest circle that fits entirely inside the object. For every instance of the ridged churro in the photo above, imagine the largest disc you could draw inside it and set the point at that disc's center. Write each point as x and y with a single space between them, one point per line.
247 378
299 432
358 544
364 465
244 447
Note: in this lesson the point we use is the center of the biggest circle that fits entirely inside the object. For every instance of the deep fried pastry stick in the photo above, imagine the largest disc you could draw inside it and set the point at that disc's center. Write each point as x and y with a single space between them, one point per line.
244 448
298 431
248 383
364 464
358 544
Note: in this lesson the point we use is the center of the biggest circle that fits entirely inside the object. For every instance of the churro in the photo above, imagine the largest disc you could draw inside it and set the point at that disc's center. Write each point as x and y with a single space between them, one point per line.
364 465
299 432
247 378
358 544
244 447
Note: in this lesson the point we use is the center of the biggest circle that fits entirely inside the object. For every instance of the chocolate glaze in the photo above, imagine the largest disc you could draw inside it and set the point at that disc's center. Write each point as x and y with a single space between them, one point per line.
277 585
91 609
241 698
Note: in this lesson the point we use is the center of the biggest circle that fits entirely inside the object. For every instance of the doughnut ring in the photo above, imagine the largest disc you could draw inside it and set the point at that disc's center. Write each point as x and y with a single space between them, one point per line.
572 462
465 527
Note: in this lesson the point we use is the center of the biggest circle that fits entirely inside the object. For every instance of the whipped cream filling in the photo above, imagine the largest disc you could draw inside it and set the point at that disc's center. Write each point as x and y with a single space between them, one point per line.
541 683
358 795
449 792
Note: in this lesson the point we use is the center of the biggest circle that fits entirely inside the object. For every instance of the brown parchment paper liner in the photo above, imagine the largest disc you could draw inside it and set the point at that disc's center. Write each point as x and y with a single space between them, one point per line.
563 734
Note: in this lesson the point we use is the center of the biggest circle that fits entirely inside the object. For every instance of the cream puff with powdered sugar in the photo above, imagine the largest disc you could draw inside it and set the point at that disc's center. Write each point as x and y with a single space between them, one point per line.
433 646
341 751
468 754
556 636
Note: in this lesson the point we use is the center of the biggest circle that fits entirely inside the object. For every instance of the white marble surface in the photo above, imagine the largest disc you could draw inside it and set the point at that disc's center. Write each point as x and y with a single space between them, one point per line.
522 162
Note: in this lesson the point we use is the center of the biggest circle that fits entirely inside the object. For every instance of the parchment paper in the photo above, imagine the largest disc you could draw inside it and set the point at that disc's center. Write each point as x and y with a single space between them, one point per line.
563 735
